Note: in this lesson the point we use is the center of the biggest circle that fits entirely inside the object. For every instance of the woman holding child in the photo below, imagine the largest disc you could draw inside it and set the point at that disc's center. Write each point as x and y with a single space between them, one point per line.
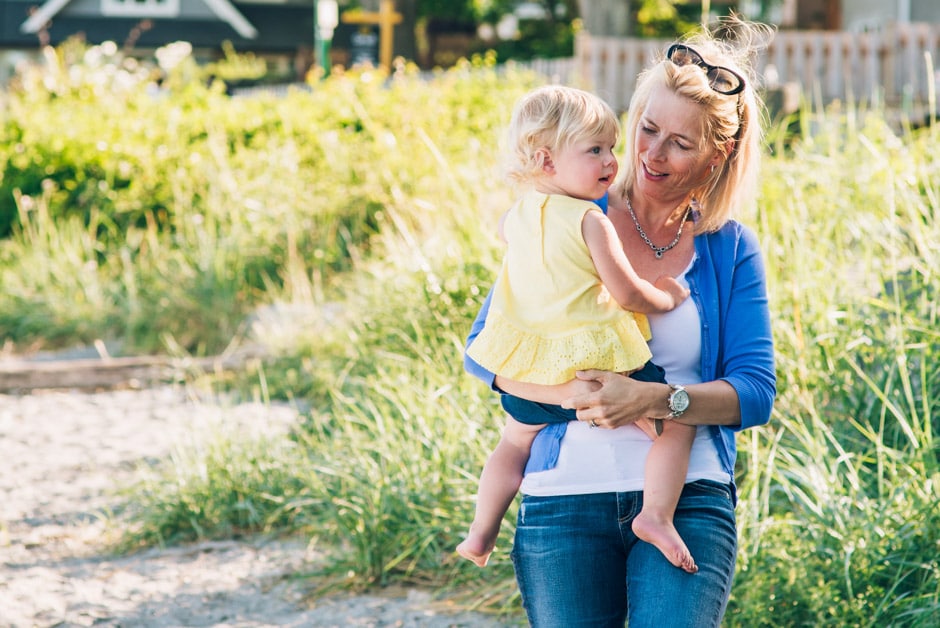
693 142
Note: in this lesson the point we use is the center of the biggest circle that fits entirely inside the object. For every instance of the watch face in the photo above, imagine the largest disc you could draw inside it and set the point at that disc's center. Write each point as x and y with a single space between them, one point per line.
679 401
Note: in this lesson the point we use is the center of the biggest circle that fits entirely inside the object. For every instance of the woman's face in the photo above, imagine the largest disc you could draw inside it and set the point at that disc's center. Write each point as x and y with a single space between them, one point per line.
671 157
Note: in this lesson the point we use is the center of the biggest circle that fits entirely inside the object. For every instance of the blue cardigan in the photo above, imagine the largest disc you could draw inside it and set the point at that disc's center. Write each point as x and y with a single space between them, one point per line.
729 287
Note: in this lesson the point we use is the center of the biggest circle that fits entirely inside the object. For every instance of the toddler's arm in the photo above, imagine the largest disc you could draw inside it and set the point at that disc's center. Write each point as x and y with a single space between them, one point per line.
631 291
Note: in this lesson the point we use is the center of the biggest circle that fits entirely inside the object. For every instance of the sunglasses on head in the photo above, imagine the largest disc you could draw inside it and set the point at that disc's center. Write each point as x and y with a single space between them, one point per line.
721 79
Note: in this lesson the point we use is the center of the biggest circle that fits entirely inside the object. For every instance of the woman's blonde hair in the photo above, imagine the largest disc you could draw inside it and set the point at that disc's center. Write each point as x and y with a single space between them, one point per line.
551 118
732 123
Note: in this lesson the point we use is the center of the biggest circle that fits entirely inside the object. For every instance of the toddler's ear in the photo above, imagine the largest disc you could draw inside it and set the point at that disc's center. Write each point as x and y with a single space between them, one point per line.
545 161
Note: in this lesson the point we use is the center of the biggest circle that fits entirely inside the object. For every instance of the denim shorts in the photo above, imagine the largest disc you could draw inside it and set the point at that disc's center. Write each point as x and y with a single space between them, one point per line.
578 562
535 413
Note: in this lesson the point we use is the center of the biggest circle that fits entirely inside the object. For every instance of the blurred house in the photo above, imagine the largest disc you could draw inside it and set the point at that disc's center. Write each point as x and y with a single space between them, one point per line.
278 30
877 52
853 15
262 25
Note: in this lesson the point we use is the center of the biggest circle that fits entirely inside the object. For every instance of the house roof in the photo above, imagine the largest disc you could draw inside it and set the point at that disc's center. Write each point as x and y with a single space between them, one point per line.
223 9
42 15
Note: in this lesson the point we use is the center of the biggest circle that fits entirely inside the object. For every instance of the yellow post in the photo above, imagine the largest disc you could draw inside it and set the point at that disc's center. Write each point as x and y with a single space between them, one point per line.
386 18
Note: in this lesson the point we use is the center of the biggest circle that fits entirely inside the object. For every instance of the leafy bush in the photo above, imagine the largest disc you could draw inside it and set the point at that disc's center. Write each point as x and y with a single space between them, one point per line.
198 207
838 514
349 229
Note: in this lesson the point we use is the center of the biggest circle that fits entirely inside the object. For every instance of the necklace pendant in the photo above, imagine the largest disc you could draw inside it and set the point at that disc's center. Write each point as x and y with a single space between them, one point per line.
657 250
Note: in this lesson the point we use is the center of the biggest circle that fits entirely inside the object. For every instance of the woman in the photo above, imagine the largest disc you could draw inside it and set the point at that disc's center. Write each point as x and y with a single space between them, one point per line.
692 156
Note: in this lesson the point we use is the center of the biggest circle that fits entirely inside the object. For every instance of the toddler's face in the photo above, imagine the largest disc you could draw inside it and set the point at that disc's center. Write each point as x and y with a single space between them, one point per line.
584 169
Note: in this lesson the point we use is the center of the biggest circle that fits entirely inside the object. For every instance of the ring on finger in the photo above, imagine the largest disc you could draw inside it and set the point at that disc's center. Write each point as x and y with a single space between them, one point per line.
594 423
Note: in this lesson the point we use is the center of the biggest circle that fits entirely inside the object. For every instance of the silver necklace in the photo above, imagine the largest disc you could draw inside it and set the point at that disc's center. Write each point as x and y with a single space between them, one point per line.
658 250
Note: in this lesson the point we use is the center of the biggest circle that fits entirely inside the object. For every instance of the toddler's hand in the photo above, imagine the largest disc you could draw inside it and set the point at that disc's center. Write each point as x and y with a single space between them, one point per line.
676 290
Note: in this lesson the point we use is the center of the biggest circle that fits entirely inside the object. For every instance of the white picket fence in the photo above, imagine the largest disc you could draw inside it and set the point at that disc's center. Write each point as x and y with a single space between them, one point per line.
895 66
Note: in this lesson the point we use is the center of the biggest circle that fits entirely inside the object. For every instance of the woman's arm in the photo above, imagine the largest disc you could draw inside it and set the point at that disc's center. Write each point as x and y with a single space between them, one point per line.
746 346
469 364
620 400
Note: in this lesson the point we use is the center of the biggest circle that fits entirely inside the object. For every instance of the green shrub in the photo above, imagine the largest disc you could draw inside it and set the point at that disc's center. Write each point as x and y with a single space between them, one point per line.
349 229
202 207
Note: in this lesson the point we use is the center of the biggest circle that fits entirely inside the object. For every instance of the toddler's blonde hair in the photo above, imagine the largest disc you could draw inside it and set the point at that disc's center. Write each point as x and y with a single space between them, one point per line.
553 117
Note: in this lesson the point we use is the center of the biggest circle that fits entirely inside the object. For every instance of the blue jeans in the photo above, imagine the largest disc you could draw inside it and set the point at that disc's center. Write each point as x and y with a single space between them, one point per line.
578 562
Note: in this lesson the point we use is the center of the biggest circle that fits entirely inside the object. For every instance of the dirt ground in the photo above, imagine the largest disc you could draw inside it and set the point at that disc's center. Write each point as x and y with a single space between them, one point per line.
64 453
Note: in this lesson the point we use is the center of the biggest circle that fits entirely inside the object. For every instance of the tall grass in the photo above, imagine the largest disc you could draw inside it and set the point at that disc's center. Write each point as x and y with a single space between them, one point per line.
349 229
839 519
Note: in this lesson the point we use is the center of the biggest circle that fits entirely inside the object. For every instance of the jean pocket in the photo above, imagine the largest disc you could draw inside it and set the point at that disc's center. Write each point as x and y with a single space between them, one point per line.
708 488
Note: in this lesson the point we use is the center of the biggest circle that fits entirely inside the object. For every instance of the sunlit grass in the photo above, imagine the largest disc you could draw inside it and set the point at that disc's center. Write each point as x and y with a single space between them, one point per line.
838 515
349 230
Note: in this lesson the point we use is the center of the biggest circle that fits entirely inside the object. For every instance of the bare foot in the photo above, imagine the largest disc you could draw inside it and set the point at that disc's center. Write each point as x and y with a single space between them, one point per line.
665 537
475 548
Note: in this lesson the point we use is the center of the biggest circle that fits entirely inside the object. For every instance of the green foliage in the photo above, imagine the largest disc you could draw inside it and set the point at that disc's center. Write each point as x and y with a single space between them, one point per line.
543 39
465 11
349 229
234 67
664 18
838 517
224 489
197 205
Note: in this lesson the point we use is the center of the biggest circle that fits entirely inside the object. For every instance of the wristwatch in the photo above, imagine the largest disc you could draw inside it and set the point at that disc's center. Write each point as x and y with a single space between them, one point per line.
678 401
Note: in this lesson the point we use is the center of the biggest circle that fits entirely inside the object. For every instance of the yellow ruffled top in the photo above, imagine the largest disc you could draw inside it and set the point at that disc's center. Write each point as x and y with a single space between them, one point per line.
550 315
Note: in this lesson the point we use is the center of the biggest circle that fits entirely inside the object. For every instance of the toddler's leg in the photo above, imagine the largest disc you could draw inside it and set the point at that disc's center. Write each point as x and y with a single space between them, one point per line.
666 466
499 482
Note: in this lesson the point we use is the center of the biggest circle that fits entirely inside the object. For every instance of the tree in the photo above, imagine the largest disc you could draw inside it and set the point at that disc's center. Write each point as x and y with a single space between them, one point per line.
545 33
657 18
465 11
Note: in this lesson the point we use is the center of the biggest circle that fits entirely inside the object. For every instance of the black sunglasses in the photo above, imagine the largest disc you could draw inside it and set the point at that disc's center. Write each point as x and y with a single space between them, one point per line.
721 79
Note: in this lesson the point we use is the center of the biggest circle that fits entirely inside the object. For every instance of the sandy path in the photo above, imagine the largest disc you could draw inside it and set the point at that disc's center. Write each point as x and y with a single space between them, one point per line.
62 455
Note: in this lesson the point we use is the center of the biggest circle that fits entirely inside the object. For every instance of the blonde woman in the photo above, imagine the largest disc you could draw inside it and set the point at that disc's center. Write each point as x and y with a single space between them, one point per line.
691 161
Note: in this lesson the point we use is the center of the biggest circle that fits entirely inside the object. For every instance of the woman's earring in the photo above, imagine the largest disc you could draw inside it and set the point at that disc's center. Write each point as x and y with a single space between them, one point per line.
713 168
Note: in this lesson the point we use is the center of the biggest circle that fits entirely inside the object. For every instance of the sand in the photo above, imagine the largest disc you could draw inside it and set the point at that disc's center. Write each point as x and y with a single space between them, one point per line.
64 453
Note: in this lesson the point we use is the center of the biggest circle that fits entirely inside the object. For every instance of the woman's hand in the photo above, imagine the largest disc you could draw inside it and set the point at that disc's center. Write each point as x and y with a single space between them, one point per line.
616 399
